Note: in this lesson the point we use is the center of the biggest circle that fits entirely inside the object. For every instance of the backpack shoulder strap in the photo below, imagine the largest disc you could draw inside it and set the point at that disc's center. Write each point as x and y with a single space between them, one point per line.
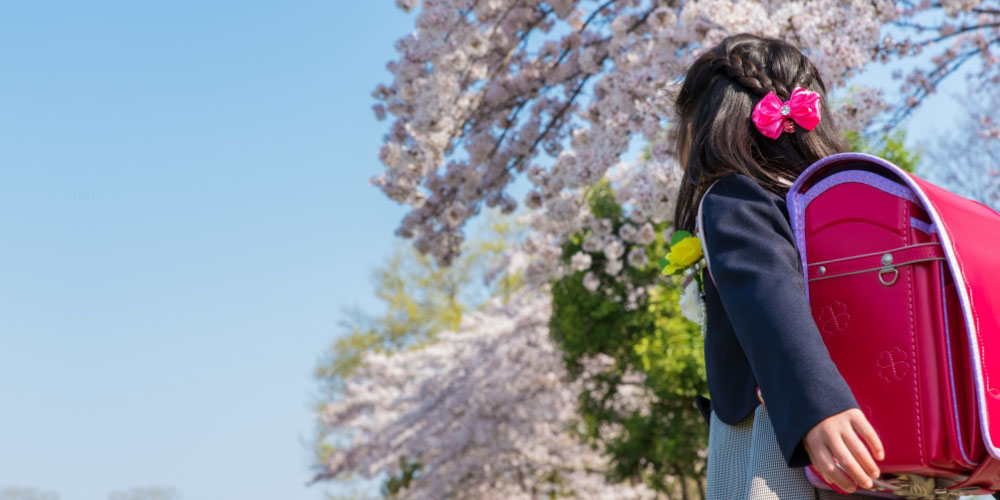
699 229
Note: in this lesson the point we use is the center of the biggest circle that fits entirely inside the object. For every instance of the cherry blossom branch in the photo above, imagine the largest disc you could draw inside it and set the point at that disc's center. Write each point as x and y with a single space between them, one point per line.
942 71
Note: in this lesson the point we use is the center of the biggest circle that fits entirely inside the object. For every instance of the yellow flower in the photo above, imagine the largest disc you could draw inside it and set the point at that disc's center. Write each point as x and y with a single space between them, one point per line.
683 254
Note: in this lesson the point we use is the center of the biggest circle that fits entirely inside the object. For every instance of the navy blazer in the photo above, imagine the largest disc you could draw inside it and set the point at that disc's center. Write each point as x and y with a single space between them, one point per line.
759 327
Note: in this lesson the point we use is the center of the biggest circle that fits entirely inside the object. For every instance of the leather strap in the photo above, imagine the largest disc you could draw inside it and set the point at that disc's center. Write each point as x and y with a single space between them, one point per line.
876 261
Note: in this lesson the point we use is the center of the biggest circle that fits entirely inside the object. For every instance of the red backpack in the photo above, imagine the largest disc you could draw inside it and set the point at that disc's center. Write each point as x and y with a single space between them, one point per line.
904 282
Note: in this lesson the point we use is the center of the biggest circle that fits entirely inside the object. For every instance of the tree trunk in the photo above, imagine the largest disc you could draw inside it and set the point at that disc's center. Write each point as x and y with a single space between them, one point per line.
684 485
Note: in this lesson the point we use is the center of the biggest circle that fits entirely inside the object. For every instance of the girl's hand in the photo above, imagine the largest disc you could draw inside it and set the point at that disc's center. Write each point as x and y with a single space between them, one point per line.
839 437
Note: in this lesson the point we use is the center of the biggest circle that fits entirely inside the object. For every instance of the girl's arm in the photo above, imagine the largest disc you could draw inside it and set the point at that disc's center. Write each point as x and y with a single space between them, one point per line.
753 260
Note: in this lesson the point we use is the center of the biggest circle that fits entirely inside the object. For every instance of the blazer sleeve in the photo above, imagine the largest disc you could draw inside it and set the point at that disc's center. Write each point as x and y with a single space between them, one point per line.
755 265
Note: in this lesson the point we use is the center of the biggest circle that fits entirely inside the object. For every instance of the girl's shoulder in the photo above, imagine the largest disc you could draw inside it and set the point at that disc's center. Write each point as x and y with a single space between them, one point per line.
736 203
736 184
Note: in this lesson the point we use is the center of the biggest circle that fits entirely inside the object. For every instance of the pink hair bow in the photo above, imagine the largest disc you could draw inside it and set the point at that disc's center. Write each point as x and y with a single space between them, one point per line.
772 116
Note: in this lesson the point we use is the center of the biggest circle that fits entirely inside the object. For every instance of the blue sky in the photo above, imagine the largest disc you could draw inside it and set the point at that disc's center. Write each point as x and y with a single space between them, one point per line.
185 212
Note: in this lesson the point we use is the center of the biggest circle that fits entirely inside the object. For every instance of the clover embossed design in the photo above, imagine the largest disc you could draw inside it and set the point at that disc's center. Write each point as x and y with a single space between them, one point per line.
892 365
834 318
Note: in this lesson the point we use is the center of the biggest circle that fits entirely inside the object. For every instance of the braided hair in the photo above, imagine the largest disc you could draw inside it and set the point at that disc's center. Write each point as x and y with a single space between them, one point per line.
743 71
714 135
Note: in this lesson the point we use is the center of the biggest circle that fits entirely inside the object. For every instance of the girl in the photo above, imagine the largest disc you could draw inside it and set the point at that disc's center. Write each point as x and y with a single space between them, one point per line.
760 332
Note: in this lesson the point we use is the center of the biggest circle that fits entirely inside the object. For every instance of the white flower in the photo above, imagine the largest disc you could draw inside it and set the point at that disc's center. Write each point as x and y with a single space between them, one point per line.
613 266
455 214
637 257
602 227
580 261
591 281
645 235
691 302
593 243
627 232
614 248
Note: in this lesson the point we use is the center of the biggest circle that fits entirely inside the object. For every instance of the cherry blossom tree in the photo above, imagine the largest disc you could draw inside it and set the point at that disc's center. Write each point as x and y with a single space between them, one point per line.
957 32
485 412
482 88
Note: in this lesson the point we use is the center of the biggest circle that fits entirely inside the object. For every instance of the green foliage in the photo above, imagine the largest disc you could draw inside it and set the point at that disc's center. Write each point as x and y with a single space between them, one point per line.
408 471
421 299
888 146
653 338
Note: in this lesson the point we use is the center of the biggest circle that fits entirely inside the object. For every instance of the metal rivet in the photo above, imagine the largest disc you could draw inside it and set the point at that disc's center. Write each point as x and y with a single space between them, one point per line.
822 269
887 259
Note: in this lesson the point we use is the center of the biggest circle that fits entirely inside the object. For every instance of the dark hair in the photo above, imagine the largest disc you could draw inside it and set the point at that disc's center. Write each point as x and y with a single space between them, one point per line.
717 98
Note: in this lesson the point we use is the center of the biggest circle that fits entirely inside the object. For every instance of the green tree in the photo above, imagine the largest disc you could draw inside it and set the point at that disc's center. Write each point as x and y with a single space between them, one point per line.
668 438
889 146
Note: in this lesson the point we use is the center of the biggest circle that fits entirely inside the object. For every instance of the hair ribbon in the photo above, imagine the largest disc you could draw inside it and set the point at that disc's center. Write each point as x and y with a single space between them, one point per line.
771 115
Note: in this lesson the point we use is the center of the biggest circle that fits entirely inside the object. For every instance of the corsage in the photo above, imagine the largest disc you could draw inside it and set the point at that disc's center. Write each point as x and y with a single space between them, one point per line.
685 258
